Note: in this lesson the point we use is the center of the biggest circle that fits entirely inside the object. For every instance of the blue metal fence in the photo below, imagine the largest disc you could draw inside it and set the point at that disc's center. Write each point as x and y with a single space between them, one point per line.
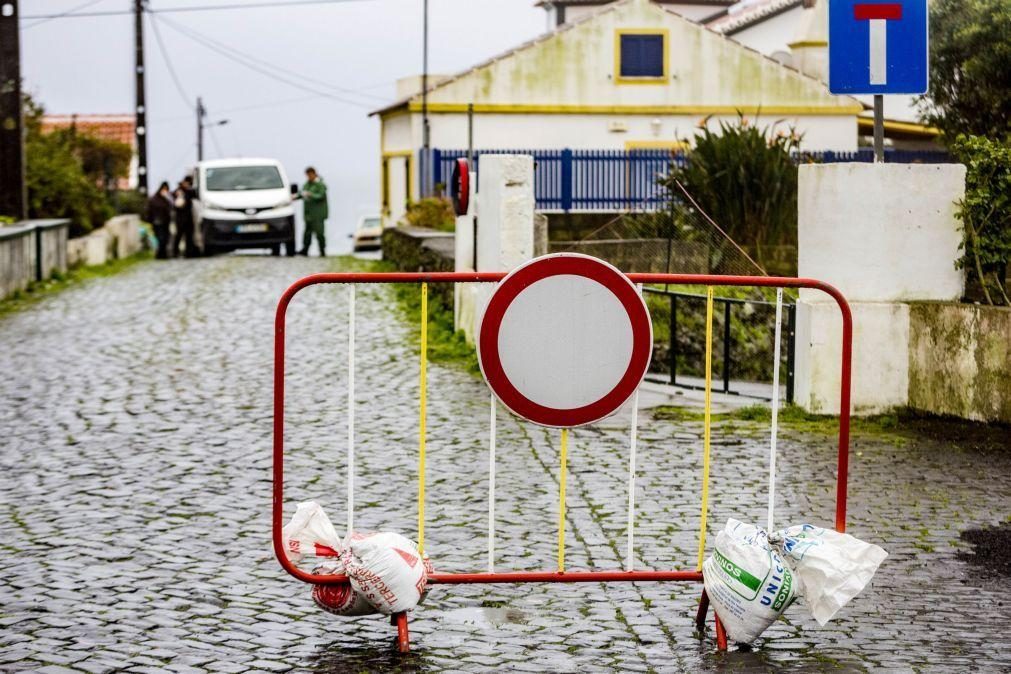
612 180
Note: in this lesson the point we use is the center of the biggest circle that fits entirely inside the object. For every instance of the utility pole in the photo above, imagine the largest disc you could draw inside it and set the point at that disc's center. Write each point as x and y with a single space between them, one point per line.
425 140
202 124
141 107
13 194
201 113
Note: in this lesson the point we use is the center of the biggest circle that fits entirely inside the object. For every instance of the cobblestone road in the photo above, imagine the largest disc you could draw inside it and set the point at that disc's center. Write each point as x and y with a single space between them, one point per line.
135 493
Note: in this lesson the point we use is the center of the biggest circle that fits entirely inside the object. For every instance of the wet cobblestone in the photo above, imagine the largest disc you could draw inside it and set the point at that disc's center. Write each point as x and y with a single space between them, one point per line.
135 497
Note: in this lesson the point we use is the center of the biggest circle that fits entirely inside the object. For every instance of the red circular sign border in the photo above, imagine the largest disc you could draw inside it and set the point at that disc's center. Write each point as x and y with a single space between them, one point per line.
521 279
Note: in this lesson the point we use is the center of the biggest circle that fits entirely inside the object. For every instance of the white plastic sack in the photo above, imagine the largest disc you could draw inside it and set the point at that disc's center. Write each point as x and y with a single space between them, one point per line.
310 532
386 569
831 568
342 600
747 581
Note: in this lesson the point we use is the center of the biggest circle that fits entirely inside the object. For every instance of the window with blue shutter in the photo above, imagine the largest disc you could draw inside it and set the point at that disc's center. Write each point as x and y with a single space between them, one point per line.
642 55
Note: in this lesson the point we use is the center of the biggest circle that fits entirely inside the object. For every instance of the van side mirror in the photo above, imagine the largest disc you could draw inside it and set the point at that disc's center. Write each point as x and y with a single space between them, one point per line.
294 189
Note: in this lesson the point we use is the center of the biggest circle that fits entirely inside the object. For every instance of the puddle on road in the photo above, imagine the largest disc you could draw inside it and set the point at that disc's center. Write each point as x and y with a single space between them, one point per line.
485 616
991 550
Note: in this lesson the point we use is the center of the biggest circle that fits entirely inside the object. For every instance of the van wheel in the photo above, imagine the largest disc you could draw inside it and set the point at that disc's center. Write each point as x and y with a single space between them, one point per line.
289 247
275 250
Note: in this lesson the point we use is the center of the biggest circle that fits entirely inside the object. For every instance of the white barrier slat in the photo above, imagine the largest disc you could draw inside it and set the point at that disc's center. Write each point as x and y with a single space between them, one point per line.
351 407
775 406
633 441
491 487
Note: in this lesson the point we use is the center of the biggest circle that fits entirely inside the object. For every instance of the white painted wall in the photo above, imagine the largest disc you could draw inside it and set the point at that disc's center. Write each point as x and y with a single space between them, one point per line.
505 231
773 34
881 232
576 66
594 131
880 377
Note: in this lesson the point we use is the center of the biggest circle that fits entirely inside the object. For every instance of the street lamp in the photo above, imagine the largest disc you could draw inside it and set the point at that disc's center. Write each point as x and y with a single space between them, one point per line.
202 124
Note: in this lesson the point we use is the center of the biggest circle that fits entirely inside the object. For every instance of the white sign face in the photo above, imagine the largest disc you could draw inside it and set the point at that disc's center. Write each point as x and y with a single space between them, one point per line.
565 340
553 330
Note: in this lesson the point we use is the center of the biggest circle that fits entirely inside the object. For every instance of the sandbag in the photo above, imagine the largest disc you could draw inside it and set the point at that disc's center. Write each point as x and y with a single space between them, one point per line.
342 600
386 569
831 568
747 581
310 532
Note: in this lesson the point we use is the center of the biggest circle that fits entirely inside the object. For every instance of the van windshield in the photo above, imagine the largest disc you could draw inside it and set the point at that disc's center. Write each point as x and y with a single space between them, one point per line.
238 178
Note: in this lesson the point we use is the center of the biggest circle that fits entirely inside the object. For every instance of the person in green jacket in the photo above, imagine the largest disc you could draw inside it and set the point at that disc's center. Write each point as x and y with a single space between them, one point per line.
314 210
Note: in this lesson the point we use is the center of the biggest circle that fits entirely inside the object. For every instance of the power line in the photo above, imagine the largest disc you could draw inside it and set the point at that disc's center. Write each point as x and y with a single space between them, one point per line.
246 62
71 14
168 63
267 64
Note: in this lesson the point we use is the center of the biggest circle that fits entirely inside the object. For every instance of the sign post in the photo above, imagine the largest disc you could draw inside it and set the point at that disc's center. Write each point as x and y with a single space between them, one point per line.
878 48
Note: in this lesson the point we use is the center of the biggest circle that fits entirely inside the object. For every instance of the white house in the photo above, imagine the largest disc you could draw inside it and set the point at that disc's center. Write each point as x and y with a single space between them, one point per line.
629 74
794 32
566 11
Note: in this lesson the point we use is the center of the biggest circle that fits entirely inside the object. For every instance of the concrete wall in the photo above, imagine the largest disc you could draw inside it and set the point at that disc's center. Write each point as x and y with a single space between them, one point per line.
17 259
20 246
884 235
881 232
117 239
880 357
506 233
960 360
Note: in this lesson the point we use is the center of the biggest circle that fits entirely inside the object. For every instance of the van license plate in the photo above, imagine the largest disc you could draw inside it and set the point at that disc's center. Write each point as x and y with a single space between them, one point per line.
249 229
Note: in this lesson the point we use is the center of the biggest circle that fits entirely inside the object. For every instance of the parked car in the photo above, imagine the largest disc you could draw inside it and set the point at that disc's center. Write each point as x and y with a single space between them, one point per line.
368 234
244 203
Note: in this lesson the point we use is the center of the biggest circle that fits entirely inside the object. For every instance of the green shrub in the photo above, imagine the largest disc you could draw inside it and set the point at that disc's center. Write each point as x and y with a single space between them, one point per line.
433 213
66 172
745 180
986 214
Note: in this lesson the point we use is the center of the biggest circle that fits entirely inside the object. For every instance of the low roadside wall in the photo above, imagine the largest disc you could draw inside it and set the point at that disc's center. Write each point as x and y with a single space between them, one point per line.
420 249
31 251
960 360
644 256
117 238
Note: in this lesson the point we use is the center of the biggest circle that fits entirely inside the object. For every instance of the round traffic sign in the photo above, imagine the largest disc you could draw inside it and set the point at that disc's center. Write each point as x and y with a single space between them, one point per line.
460 186
565 340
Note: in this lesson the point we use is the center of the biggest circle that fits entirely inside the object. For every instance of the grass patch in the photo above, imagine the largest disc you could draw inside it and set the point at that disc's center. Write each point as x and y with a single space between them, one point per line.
38 291
790 416
445 344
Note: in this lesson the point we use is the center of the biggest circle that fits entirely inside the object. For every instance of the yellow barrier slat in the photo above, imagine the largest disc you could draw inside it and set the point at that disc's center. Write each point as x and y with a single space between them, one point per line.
707 429
422 418
561 499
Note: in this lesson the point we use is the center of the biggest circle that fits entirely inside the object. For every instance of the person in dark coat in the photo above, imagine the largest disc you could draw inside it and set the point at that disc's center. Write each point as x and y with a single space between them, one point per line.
183 202
159 214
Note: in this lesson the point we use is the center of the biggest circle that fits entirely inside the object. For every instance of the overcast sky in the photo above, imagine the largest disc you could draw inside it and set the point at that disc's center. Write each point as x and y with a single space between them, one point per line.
354 49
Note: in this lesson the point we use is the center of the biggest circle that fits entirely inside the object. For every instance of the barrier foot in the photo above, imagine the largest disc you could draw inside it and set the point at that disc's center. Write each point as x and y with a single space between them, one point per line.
403 636
721 634
700 617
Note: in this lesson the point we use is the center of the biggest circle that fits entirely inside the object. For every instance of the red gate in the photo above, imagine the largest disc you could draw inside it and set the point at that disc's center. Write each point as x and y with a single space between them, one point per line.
603 576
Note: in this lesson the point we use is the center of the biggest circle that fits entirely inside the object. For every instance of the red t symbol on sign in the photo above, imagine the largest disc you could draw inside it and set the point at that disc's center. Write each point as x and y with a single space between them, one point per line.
878 14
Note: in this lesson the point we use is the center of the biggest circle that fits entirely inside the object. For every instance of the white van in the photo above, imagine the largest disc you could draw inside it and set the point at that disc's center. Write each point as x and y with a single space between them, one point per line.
244 203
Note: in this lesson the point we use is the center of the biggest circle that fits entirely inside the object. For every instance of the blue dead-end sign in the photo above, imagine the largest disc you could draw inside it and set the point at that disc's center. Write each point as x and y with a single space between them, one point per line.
877 47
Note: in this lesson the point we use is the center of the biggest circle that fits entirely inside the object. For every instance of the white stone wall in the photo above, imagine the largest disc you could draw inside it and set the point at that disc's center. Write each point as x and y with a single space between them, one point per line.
505 230
880 375
883 234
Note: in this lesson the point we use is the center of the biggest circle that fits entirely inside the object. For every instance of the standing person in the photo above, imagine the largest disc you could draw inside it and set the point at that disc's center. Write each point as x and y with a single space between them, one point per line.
183 201
315 211
159 214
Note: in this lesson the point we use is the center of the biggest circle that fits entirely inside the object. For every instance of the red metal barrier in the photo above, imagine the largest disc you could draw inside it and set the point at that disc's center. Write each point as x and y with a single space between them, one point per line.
400 620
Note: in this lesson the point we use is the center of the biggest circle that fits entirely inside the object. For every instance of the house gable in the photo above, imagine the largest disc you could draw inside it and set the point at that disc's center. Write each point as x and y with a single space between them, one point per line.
574 69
